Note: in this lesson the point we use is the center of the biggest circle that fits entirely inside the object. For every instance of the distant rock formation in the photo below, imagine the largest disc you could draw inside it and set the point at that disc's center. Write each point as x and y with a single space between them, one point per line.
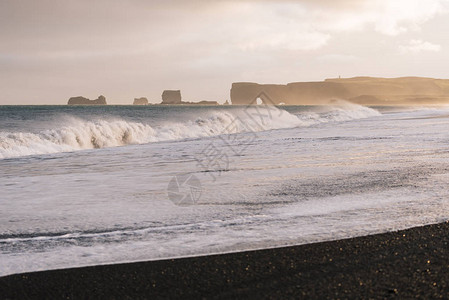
204 102
84 101
174 98
360 90
171 97
140 101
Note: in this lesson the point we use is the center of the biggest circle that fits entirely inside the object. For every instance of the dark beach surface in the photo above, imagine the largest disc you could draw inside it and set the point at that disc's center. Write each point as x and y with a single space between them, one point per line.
405 264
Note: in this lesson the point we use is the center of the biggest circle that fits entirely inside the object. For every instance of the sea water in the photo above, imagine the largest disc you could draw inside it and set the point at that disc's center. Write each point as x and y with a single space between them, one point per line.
88 185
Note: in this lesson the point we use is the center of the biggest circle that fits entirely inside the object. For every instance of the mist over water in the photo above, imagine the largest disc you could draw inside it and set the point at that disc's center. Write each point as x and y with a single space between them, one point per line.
88 185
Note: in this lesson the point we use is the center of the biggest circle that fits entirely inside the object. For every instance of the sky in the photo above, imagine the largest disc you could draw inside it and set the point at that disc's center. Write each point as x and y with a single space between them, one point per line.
51 50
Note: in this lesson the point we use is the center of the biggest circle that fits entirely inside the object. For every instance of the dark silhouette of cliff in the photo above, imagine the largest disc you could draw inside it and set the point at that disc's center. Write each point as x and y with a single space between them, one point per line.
101 100
204 102
361 90
140 101
171 97
174 98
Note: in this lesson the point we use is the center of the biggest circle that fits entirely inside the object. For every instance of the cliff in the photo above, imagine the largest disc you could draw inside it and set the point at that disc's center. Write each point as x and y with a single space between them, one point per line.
101 100
361 90
174 98
204 102
171 97
140 101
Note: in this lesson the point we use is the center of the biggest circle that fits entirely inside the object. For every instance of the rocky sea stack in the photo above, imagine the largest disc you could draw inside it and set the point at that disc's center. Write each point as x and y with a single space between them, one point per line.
140 101
171 97
101 100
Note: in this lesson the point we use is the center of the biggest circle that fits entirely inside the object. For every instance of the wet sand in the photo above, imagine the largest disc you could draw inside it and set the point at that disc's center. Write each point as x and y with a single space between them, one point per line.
405 264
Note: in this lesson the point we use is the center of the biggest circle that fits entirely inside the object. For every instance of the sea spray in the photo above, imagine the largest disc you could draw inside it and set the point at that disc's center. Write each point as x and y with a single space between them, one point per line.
80 134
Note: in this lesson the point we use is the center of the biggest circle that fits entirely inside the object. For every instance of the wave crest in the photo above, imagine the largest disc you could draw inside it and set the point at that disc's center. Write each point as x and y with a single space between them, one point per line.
82 134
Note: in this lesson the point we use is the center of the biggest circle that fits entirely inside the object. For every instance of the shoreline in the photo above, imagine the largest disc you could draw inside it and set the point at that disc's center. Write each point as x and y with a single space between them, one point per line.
406 263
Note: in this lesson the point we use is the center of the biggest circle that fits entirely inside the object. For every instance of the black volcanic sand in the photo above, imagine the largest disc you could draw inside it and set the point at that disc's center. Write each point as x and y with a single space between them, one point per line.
405 264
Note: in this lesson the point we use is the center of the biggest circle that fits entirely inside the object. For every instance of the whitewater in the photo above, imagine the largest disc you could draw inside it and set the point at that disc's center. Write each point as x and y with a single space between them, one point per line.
97 132
98 185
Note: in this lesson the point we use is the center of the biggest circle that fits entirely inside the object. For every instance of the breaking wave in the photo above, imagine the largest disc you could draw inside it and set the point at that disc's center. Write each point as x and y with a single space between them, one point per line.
81 134
339 111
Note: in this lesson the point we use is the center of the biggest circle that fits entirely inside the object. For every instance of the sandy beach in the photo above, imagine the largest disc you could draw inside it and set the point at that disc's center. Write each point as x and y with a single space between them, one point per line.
404 264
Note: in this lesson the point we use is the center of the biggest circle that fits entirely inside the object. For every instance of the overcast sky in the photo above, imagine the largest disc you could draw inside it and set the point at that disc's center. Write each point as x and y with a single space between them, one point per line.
51 50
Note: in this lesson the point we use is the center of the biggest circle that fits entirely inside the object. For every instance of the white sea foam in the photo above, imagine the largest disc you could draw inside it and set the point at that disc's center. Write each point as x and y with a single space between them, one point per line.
339 111
81 134
292 186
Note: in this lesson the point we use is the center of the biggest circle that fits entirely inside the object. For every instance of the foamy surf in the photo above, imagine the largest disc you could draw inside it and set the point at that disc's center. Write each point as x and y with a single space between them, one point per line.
81 134
331 178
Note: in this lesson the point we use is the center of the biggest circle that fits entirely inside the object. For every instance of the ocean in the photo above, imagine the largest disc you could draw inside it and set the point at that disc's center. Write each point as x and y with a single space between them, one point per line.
89 185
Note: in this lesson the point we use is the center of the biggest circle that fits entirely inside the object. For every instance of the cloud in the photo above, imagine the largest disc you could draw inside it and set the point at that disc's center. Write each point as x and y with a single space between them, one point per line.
310 24
417 46
102 26
389 17
88 43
